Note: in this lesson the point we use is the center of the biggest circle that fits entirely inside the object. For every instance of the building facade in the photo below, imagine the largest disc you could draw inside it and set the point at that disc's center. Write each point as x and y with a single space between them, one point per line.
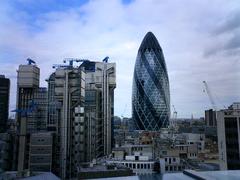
27 85
80 114
40 152
228 129
99 107
31 110
66 120
4 102
150 91
210 118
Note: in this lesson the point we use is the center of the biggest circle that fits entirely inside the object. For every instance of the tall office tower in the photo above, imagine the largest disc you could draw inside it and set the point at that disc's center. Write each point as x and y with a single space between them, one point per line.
210 118
27 84
228 129
31 109
66 119
4 102
99 107
150 91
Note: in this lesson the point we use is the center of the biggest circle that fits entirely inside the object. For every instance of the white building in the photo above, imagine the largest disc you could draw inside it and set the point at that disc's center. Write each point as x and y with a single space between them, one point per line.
228 129
139 158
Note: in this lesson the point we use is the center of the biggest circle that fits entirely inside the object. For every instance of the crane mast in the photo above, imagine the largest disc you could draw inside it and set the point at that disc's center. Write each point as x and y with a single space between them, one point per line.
210 96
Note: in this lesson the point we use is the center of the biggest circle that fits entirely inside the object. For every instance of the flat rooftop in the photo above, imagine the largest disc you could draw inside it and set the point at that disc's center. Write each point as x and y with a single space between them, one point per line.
188 175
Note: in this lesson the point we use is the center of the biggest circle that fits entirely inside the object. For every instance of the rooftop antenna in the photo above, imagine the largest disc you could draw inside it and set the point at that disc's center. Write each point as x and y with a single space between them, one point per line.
30 61
105 59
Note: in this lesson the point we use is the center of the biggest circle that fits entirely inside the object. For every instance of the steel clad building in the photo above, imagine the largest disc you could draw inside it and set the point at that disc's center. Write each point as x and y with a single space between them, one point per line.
150 93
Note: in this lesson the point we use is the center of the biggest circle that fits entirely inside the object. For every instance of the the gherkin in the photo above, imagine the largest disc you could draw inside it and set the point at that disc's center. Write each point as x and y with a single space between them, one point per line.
150 92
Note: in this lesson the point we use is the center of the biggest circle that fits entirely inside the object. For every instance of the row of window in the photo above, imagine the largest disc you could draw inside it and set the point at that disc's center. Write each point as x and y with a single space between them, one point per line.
138 165
192 154
174 168
170 160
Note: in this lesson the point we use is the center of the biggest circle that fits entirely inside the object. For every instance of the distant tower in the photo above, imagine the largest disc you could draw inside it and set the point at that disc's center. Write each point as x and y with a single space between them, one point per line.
150 91
4 102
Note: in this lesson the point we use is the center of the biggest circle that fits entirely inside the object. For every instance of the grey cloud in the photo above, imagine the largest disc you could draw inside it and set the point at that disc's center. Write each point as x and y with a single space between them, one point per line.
234 42
116 30
226 36
229 24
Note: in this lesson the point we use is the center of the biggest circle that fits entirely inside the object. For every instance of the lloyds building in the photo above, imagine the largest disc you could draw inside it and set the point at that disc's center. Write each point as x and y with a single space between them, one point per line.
150 91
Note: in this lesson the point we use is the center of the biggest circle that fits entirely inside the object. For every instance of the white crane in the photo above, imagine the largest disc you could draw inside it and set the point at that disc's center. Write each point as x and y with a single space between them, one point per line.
174 112
210 96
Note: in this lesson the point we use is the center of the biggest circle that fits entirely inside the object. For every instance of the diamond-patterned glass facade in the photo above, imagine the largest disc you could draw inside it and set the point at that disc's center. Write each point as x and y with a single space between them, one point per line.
150 93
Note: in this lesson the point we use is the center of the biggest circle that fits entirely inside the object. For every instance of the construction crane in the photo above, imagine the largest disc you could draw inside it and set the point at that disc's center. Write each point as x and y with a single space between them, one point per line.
210 95
30 61
174 112
105 59
124 110
71 60
30 109
70 65
56 66
23 133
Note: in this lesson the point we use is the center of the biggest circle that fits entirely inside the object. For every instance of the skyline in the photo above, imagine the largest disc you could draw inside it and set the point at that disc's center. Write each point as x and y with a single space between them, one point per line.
192 39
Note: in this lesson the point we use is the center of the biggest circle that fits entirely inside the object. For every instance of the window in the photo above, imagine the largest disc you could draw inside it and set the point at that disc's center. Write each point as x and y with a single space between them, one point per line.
175 168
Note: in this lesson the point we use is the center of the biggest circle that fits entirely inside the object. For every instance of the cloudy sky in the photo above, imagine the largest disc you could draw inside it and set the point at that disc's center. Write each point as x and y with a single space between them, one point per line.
200 41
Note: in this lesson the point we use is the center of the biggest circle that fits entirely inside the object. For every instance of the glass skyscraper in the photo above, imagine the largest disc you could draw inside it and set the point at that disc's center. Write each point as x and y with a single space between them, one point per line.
150 92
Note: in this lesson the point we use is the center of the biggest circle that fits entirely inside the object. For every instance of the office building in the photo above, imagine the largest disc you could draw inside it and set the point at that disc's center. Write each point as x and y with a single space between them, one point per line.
66 120
4 102
228 129
150 91
99 107
31 109
210 118
80 114
27 84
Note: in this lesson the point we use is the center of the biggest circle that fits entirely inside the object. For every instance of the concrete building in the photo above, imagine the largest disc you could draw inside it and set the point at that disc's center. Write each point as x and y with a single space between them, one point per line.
4 102
139 158
31 110
27 86
80 114
228 128
99 107
66 120
104 171
198 139
210 118
40 152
